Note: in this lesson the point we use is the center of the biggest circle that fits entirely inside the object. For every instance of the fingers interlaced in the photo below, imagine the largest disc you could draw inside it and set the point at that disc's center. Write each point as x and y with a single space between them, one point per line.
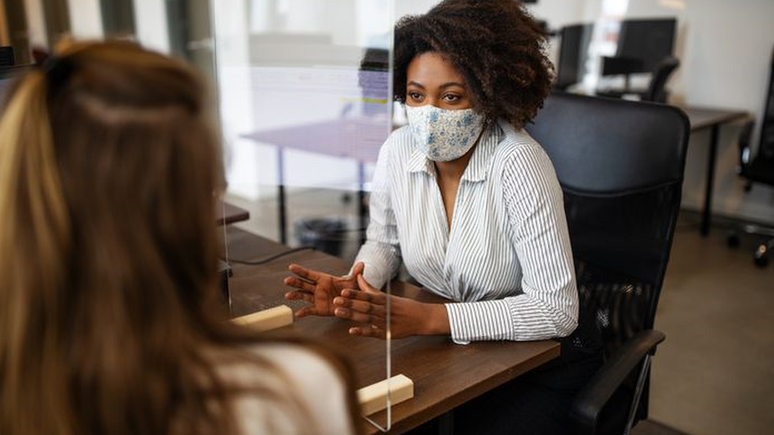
360 306
304 272
293 281
349 314
368 331
299 295
376 298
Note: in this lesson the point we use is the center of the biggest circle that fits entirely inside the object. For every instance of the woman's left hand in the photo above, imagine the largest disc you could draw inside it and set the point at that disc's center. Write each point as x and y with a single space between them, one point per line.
409 317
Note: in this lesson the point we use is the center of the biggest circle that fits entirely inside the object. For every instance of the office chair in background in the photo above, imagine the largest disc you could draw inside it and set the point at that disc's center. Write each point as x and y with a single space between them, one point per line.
656 90
621 166
759 169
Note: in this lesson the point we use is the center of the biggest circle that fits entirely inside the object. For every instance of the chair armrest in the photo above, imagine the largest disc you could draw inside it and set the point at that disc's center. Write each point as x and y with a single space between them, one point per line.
593 397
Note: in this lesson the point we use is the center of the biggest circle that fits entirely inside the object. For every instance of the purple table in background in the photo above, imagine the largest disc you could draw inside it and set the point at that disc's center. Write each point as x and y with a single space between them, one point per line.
349 138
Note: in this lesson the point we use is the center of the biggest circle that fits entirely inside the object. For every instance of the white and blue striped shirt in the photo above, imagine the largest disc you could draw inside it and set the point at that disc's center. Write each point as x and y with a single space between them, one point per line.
506 262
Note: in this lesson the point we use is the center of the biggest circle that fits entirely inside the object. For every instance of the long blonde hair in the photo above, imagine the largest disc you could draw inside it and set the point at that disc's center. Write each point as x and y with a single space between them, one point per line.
108 249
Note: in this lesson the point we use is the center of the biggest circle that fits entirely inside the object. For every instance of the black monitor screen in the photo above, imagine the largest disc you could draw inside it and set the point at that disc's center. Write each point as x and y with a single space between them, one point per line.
648 41
573 54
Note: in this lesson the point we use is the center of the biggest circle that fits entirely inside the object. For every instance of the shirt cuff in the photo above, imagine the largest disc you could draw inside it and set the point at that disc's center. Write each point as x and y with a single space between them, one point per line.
479 321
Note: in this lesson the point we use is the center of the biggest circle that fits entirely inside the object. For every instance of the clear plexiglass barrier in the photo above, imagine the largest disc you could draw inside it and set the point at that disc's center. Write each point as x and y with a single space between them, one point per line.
305 104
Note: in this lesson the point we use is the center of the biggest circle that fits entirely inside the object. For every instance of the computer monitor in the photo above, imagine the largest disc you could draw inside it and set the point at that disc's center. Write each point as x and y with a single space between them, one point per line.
7 57
647 41
573 51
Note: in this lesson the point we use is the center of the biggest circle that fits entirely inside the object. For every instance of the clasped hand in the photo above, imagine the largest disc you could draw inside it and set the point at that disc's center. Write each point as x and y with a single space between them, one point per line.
351 297
319 288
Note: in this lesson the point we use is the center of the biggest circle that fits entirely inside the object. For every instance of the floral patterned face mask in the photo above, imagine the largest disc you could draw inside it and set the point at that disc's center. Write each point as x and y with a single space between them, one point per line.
444 135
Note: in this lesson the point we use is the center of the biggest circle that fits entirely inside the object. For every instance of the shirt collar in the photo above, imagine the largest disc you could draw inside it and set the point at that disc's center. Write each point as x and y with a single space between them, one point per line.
418 162
478 165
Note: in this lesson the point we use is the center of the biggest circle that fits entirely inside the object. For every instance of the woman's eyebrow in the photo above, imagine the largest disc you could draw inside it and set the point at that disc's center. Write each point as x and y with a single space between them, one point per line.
450 84
413 83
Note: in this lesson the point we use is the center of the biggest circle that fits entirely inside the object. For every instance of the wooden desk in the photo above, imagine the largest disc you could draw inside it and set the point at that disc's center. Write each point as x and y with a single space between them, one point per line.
702 118
445 375
228 214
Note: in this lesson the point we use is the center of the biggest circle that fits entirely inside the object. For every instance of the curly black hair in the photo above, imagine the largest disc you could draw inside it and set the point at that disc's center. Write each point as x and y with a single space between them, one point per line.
495 44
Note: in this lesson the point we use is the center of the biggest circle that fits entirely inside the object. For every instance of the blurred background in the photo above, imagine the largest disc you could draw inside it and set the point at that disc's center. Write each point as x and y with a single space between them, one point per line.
302 91
723 49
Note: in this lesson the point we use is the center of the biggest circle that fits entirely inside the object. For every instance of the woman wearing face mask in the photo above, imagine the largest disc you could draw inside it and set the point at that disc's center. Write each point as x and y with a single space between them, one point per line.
470 204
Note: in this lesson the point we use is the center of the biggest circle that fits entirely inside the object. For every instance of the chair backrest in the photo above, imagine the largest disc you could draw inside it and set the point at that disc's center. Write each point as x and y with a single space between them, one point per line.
766 144
657 87
758 165
621 166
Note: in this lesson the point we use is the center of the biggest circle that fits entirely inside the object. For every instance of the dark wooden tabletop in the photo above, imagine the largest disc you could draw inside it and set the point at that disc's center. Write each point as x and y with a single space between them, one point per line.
445 375
703 117
228 214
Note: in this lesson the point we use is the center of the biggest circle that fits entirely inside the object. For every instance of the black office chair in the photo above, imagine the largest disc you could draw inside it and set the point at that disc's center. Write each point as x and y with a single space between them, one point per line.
757 169
621 165
656 90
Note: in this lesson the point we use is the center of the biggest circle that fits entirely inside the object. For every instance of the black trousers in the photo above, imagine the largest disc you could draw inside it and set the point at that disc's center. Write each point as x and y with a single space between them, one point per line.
536 403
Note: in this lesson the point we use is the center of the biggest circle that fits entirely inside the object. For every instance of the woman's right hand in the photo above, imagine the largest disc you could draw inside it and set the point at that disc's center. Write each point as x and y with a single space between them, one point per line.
319 288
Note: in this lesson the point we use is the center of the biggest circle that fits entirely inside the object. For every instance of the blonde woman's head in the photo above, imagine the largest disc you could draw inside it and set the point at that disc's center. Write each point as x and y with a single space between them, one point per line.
108 174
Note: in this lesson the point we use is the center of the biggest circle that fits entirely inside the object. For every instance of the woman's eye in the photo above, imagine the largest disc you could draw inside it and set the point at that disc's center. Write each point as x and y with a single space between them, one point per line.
415 96
451 98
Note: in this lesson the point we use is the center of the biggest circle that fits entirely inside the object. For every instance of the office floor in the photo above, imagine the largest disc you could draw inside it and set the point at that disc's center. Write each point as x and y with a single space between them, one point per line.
714 375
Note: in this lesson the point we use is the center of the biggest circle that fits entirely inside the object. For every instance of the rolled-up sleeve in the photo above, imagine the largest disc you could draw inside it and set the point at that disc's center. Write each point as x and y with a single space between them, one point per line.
381 251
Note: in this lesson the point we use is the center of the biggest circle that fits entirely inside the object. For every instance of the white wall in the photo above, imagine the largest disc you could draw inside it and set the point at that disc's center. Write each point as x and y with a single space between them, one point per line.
558 13
150 17
85 19
725 50
36 23
412 7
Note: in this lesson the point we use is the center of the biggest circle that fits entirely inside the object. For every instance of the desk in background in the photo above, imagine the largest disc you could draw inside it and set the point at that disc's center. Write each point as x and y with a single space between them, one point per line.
445 375
711 118
358 139
229 214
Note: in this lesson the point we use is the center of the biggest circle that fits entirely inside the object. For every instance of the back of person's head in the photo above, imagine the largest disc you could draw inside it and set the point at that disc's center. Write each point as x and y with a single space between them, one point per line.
108 247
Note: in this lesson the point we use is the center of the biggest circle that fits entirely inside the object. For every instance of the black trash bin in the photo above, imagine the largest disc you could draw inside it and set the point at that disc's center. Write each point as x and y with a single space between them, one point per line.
326 234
